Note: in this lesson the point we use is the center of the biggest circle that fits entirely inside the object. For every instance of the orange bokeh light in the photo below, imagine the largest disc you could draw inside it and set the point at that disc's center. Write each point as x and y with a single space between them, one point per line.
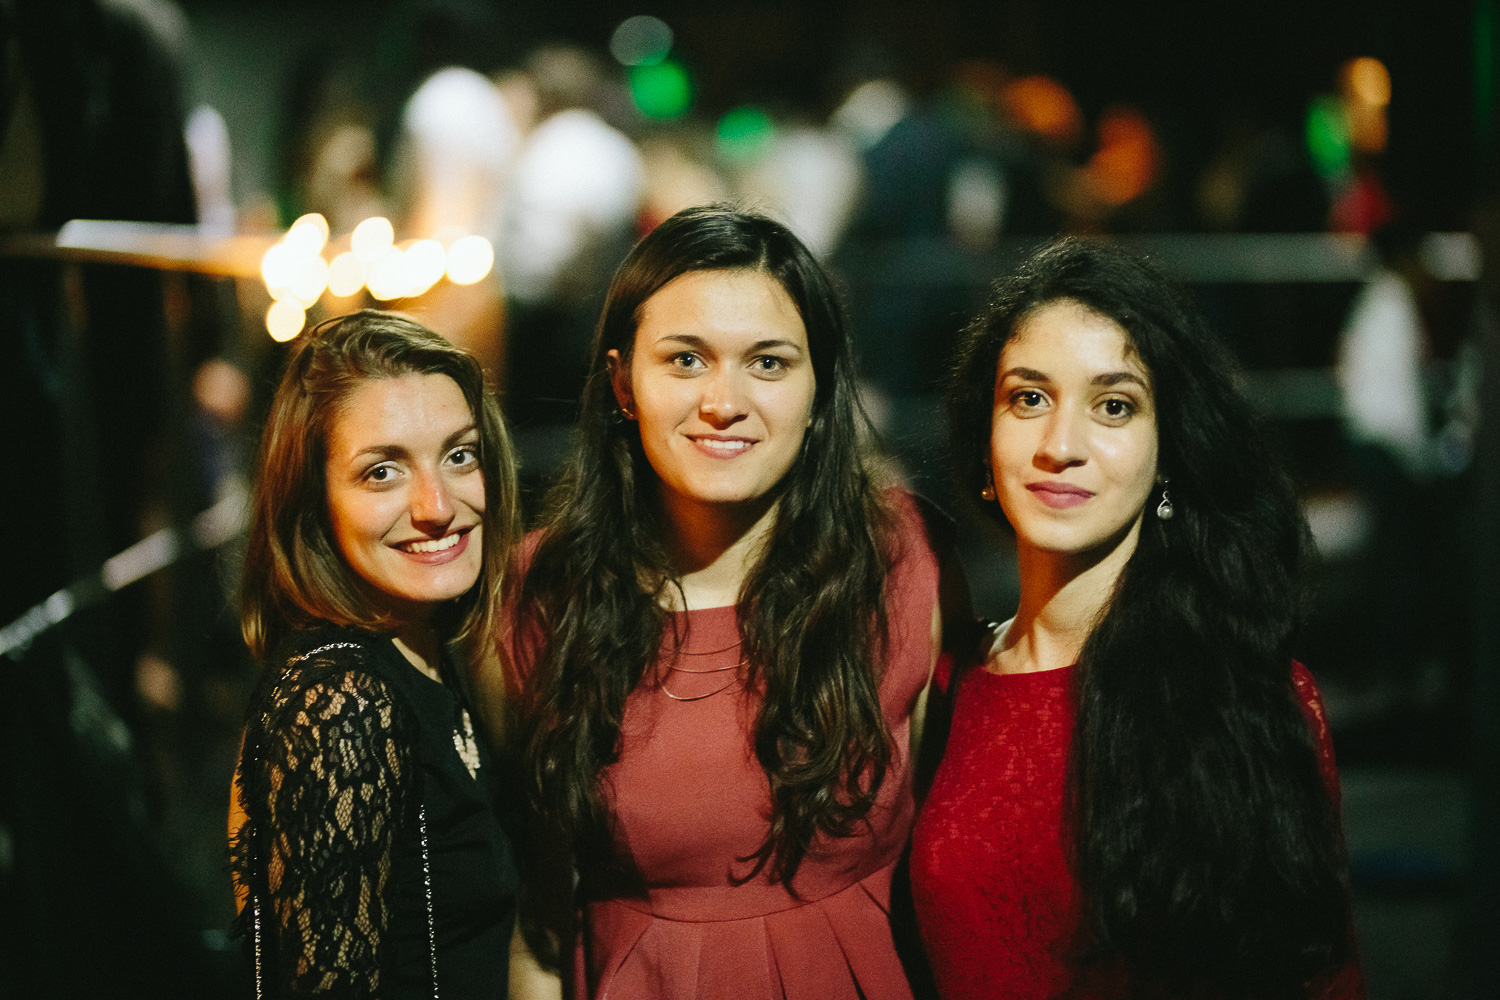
1126 164
1044 106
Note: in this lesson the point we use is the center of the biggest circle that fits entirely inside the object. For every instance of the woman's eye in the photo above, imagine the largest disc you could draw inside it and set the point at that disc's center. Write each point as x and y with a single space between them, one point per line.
381 474
769 364
465 455
1026 399
1118 409
687 361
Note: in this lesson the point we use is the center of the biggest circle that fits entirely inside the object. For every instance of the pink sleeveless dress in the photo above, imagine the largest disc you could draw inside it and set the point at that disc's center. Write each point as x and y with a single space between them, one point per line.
689 800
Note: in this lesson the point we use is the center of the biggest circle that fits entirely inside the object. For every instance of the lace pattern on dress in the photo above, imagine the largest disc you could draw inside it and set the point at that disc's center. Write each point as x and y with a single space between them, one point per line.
330 787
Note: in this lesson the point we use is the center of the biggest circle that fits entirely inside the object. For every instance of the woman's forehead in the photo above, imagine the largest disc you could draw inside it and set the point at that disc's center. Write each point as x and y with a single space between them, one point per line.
1067 338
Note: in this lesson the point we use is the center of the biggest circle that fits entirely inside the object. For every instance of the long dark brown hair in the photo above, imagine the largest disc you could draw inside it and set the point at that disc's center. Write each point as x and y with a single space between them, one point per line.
294 575
811 611
1203 837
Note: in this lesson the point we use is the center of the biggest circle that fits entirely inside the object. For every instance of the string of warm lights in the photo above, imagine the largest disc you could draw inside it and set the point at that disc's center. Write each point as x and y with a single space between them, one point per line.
297 275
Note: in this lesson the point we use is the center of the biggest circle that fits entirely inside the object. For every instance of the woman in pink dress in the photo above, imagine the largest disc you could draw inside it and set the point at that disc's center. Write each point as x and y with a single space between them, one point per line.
725 628
1137 796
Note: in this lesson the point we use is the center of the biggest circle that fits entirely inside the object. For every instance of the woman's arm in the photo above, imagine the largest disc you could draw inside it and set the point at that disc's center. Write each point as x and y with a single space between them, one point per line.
1346 982
529 980
333 789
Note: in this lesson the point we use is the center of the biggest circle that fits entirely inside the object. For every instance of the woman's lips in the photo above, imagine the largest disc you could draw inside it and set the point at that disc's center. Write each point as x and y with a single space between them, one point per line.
450 551
721 447
1060 495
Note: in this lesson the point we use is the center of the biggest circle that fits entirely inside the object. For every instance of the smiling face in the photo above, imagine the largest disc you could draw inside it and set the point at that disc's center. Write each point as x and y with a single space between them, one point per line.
1073 433
721 383
405 491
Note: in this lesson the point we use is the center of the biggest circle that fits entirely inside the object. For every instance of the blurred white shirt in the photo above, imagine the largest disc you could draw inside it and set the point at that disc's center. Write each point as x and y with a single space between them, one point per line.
1379 371
576 188
459 143
810 178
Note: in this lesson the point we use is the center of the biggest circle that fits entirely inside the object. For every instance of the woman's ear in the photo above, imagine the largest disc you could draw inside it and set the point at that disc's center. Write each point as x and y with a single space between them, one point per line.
619 380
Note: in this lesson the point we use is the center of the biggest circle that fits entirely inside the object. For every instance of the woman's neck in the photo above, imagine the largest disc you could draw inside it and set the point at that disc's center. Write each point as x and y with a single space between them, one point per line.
1063 596
419 644
713 547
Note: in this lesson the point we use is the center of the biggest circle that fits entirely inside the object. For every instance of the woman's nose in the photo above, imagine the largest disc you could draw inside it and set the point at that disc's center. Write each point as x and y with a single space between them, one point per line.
1064 441
431 504
723 400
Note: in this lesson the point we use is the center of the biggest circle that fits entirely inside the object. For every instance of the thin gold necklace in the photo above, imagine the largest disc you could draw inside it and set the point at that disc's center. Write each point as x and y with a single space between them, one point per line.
661 676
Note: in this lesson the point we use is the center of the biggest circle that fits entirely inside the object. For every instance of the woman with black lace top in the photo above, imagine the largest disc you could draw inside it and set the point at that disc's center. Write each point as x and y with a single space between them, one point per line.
367 852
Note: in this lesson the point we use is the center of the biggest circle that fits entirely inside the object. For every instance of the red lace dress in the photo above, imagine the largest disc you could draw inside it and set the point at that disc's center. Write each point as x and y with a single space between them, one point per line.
688 799
995 899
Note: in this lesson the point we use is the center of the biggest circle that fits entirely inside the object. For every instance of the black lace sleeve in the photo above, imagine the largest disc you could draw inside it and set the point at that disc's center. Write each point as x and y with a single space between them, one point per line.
327 782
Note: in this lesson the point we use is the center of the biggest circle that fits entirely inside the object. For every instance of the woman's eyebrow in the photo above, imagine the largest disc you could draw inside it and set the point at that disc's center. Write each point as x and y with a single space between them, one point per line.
458 435
379 450
1028 374
698 343
686 339
775 344
1115 378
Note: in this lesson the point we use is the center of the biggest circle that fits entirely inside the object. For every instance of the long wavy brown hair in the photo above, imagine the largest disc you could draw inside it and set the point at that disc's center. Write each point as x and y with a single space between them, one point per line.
811 610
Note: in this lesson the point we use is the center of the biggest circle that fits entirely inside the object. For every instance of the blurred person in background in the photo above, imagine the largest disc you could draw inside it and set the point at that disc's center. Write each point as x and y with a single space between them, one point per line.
1138 795
724 630
450 170
908 150
569 215
1409 436
368 850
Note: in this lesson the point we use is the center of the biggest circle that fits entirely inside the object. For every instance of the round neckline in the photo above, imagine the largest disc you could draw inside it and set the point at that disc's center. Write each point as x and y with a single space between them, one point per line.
704 630
720 608
1049 672
998 633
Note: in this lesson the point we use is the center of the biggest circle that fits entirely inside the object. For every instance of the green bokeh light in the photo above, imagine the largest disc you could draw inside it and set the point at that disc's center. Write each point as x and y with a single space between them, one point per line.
662 91
1327 135
745 134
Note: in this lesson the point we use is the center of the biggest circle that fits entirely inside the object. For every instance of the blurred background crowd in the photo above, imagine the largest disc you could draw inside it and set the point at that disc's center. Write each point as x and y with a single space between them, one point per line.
1321 174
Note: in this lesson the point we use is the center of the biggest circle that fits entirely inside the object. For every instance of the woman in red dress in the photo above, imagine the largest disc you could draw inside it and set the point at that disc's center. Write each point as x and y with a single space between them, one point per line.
1138 795
725 628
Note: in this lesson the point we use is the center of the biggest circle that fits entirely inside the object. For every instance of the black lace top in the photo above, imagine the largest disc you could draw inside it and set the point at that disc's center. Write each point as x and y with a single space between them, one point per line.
350 754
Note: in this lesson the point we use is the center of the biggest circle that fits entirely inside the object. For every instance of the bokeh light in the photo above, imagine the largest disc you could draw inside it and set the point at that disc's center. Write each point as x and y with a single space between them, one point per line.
1327 136
278 268
310 281
387 278
423 264
470 258
307 235
346 275
1365 84
1125 166
371 239
285 319
744 135
1368 81
1042 105
642 40
662 91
